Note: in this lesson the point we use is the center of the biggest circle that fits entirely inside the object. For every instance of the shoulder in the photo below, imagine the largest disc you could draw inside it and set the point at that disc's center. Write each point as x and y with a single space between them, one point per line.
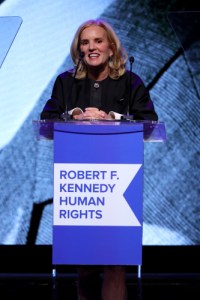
128 74
136 80
66 74
128 77
133 75
64 78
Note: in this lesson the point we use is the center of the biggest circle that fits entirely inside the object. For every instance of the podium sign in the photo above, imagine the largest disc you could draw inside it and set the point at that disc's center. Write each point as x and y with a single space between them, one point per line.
98 193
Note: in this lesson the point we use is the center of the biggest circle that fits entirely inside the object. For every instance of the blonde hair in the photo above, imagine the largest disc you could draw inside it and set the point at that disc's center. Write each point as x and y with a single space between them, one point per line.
118 60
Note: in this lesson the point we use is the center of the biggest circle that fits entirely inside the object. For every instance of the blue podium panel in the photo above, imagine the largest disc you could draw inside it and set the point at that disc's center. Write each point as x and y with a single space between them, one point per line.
98 191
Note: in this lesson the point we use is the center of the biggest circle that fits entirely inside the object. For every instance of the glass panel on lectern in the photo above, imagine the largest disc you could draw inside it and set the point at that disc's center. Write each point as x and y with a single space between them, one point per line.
186 26
9 27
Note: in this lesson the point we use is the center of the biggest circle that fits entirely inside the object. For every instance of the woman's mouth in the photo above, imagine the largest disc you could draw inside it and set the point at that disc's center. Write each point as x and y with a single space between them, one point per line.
93 55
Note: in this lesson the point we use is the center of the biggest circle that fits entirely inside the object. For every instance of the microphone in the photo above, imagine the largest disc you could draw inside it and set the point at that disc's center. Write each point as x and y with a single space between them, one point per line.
131 60
128 117
65 116
81 55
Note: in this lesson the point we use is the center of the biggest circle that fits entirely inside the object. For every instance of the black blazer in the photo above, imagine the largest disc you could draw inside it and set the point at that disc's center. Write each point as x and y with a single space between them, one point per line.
126 93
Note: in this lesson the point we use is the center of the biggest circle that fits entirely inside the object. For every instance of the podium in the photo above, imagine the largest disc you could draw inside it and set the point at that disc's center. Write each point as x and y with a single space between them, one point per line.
98 189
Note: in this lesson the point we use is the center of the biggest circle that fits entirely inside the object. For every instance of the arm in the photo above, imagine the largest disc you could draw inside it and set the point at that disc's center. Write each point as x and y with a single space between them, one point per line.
141 105
56 105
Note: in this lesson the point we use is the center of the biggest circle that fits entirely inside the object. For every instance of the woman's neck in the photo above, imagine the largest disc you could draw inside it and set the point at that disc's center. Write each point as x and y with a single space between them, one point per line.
98 74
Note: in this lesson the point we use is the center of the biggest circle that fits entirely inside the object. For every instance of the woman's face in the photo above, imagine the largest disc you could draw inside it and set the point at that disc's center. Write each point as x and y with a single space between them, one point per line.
95 45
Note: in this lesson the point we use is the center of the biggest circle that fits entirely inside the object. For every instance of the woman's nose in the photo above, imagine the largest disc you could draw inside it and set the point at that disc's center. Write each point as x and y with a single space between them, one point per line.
91 46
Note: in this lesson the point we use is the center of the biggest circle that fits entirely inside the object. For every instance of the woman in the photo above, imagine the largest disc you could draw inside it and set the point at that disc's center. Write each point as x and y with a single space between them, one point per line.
99 87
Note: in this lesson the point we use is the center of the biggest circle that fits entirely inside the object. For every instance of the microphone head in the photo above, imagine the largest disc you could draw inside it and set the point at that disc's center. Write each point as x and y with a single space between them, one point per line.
131 59
81 55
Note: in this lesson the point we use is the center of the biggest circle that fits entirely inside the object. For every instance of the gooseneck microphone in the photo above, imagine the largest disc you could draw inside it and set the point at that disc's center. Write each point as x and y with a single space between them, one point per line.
131 60
81 55
127 117
65 116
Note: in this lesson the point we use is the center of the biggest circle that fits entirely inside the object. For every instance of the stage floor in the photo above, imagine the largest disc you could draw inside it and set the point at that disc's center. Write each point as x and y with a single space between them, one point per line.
64 286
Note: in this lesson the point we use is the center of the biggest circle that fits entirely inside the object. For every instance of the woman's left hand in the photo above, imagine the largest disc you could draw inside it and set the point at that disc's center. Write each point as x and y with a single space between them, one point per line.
95 113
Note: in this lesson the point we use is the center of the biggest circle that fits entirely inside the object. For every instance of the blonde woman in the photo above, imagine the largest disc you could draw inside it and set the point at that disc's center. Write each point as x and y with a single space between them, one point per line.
99 86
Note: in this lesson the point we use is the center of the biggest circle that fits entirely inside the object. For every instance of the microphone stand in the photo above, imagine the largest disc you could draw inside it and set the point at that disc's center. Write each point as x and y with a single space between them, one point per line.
65 116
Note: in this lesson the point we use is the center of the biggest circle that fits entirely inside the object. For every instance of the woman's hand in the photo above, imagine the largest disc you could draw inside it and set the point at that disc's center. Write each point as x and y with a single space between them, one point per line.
95 113
91 113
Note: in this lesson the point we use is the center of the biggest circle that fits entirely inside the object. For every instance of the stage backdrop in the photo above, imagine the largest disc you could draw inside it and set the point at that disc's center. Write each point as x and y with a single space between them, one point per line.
161 43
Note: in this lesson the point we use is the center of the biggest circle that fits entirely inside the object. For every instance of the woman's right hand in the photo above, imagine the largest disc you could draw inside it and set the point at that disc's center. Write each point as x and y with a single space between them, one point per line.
90 113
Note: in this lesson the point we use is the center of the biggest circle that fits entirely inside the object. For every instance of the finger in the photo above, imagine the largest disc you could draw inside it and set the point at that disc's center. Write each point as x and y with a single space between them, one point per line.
91 109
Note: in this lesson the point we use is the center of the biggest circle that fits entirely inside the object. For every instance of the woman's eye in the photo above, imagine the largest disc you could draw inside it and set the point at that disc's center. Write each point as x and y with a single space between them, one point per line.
84 42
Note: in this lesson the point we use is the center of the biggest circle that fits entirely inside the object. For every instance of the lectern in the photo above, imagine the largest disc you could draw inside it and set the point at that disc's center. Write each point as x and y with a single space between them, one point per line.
98 189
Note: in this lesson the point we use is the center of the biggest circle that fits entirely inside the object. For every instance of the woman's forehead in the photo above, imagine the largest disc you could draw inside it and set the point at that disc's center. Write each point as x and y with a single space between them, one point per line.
93 31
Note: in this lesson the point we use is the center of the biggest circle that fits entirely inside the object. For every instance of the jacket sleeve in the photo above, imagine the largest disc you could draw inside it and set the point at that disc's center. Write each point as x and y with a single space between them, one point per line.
142 107
55 106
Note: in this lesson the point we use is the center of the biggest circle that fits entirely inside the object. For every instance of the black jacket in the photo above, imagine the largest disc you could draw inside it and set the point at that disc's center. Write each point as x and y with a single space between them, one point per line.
126 93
